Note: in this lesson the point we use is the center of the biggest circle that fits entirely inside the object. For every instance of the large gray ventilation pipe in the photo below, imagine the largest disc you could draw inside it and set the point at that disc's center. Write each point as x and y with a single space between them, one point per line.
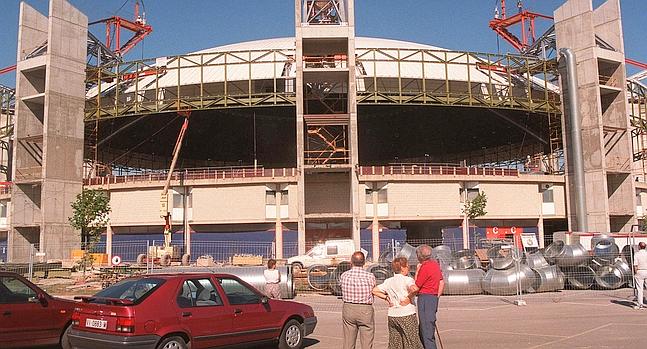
575 141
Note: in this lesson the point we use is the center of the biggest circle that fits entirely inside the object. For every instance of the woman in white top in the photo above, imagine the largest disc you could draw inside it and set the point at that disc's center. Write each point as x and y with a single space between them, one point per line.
403 322
272 280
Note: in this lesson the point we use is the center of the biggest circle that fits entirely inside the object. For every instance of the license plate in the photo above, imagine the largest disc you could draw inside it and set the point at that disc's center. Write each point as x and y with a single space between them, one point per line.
100 324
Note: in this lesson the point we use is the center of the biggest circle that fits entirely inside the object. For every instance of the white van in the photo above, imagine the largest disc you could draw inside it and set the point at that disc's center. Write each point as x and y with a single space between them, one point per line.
332 252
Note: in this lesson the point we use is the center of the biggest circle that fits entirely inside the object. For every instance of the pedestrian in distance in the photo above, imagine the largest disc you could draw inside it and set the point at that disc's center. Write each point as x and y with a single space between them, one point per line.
272 280
357 312
640 266
428 287
402 319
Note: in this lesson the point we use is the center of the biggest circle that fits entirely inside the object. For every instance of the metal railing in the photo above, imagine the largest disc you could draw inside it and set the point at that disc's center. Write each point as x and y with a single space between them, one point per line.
436 170
195 174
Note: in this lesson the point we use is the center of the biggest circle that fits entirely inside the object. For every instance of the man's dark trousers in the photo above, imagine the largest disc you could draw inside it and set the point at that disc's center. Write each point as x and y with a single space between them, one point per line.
427 307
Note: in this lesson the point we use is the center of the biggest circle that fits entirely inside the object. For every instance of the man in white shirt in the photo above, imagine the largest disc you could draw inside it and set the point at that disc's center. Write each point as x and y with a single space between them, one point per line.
403 322
640 264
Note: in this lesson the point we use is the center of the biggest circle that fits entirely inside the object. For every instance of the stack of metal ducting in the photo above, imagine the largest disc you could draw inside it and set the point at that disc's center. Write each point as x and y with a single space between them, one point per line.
506 275
461 271
547 277
606 268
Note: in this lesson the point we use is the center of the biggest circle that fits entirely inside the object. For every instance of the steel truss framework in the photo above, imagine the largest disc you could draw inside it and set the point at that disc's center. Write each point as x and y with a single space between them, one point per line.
133 88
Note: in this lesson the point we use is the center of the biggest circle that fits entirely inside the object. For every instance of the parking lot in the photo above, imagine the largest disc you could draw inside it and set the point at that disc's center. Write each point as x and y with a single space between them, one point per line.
567 319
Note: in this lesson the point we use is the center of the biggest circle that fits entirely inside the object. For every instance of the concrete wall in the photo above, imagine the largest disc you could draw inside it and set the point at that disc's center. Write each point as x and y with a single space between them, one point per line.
407 200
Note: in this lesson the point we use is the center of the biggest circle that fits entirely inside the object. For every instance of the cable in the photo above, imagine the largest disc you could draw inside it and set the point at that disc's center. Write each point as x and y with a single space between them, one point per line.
120 7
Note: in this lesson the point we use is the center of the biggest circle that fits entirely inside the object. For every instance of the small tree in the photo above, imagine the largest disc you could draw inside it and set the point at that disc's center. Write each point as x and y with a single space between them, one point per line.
90 216
475 208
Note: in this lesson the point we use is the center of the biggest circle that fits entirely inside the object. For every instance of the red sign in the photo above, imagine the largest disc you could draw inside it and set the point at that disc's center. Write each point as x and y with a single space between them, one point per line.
502 232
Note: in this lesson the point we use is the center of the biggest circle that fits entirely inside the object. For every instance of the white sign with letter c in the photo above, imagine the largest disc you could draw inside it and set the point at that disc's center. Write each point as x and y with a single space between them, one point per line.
116 260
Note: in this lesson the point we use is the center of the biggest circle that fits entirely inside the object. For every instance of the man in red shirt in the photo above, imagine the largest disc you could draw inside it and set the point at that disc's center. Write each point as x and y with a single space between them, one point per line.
429 286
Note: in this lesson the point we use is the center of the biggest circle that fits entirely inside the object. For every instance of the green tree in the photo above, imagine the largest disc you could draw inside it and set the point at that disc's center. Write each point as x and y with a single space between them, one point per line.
90 215
475 208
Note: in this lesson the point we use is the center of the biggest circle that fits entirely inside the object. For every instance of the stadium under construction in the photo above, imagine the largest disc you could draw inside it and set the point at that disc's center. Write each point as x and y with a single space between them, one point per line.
323 135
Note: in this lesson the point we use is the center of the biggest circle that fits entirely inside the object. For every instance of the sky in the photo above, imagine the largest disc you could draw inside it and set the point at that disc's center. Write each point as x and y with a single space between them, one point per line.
182 26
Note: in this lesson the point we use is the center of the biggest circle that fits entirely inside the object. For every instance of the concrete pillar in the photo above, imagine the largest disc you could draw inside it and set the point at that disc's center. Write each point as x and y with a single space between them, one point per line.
278 238
466 233
186 227
298 86
109 242
540 231
375 228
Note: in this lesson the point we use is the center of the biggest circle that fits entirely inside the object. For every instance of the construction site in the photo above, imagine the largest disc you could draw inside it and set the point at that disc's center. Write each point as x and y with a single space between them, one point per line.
284 143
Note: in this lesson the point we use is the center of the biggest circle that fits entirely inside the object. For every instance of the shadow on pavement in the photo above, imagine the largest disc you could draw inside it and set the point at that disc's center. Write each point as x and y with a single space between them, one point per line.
308 342
623 303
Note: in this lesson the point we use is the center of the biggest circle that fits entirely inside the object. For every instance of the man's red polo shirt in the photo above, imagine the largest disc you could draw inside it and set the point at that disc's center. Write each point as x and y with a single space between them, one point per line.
429 277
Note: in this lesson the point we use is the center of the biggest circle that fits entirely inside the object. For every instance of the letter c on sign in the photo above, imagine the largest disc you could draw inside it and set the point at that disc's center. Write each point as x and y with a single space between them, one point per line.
116 260
495 230
513 230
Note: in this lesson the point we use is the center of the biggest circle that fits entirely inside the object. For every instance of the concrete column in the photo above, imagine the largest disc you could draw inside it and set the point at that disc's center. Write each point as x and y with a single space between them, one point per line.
186 227
466 233
278 238
109 242
375 228
298 86
540 231
540 221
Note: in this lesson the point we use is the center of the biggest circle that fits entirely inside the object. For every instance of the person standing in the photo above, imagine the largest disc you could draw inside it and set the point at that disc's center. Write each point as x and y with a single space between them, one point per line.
357 312
640 265
403 322
429 287
272 280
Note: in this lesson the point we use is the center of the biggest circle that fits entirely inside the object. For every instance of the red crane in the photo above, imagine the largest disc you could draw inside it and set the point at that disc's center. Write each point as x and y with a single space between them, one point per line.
114 24
501 25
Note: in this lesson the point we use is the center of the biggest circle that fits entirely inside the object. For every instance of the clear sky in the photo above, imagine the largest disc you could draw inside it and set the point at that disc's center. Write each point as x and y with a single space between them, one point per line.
181 26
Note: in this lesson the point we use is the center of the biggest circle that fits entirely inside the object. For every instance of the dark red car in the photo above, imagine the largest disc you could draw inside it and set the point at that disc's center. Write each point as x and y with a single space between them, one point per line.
187 311
31 317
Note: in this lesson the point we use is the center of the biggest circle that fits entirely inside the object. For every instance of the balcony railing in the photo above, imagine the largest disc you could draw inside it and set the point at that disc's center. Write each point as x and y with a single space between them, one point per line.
436 170
195 174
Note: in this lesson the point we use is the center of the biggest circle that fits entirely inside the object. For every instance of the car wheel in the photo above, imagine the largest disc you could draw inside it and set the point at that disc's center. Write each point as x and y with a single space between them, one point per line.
297 267
292 335
65 339
172 343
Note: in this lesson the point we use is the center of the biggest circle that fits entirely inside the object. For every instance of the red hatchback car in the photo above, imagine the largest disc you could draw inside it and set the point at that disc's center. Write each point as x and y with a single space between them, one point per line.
187 311
31 317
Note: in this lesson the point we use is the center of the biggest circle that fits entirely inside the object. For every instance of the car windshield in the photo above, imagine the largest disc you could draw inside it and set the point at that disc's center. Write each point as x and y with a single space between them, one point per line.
315 251
134 290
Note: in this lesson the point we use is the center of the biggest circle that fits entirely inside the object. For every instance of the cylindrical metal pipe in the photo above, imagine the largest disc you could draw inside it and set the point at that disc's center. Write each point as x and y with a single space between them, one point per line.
504 282
252 275
462 282
576 155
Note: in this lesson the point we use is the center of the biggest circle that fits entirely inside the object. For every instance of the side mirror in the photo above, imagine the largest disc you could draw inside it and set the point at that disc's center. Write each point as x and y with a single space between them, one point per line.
264 300
42 299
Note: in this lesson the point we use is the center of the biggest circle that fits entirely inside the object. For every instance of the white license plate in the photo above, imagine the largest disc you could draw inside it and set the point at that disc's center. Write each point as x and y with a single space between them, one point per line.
100 324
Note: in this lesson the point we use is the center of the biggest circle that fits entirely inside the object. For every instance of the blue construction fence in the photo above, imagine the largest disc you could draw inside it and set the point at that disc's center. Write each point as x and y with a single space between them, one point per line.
221 246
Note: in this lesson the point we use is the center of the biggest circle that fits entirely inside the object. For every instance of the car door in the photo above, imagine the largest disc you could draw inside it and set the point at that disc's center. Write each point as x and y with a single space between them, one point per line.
23 318
253 319
202 310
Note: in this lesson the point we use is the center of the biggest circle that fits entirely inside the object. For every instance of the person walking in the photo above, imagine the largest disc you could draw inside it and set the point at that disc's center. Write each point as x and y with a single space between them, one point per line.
640 264
272 280
429 287
357 312
402 319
